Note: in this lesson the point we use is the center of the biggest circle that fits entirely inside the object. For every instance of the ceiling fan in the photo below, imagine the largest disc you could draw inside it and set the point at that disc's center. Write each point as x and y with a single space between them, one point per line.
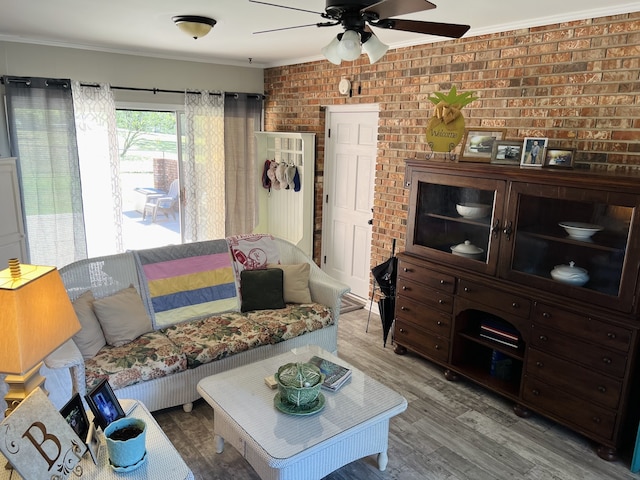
357 16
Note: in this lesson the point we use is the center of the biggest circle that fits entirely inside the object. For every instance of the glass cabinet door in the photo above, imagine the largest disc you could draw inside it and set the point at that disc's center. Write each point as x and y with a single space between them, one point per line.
573 242
454 220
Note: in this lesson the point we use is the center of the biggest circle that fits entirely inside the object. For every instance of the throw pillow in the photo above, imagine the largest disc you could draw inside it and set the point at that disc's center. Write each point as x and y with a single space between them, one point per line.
296 282
122 316
262 289
90 338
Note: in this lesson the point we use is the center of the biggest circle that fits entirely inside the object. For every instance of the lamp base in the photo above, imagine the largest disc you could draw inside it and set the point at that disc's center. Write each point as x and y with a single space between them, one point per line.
20 386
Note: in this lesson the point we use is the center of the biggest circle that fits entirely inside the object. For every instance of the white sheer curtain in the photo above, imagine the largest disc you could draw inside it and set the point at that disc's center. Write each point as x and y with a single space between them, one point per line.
43 137
95 116
204 167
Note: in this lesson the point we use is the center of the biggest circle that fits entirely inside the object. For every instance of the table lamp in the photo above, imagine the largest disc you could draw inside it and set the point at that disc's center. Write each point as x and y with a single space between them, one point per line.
36 317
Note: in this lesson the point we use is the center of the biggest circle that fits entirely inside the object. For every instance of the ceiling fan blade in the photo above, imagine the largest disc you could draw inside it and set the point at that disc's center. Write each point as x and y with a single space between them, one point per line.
323 24
393 8
451 30
284 6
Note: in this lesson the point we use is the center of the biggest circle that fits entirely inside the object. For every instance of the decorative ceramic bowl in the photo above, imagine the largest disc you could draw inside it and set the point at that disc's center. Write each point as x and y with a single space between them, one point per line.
299 383
579 230
473 210
570 274
467 249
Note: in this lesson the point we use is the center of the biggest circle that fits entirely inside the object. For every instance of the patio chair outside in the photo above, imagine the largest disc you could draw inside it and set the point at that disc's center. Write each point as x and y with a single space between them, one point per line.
165 204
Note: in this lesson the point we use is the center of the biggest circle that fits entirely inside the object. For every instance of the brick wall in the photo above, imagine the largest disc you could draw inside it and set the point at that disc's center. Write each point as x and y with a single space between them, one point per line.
576 83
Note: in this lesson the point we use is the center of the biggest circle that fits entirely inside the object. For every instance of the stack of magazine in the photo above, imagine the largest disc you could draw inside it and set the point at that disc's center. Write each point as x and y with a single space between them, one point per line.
336 375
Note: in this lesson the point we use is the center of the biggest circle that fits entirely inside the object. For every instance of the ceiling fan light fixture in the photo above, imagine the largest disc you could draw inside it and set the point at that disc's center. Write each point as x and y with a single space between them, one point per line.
349 47
194 25
374 48
331 51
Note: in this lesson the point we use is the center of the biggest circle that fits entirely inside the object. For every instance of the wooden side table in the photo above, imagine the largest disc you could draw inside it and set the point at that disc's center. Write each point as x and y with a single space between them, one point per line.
163 460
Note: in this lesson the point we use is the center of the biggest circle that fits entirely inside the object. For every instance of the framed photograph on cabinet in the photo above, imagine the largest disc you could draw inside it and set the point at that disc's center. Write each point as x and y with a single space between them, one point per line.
76 416
477 145
559 157
533 149
103 403
506 152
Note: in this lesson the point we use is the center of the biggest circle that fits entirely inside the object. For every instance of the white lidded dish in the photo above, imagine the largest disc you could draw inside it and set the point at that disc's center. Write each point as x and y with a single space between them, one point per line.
570 274
467 249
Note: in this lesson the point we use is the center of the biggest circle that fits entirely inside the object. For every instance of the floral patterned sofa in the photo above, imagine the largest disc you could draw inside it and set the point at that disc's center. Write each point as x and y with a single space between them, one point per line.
162 366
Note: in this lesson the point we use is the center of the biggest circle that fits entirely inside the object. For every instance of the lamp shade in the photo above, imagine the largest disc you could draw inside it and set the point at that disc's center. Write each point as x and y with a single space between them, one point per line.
374 48
349 48
331 51
194 25
36 316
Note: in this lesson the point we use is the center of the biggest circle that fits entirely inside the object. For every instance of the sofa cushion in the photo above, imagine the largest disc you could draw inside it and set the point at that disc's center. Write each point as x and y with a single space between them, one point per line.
262 289
292 321
149 356
295 282
90 339
209 339
220 336
122 316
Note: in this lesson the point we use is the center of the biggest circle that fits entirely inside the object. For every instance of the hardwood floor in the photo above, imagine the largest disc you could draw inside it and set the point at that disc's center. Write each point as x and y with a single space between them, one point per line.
450 430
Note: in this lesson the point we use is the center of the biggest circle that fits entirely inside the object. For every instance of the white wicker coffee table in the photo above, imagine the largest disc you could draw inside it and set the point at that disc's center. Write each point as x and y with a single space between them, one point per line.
353 424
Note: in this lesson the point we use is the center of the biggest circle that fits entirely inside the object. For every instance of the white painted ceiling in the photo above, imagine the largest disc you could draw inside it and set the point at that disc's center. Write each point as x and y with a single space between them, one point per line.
144 27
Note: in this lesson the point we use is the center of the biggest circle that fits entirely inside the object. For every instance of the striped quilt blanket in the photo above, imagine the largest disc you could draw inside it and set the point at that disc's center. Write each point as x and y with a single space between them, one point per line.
184 282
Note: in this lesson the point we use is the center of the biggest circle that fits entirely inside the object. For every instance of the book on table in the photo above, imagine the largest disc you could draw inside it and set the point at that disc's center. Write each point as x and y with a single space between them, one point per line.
336 375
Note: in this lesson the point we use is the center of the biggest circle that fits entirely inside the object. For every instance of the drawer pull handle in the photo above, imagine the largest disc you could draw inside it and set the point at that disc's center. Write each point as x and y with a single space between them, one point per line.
602 389
544 338
535 391
439 323
539 364
606 360
437 347
404 309
596 419
441 302
402 330
546 314
466 289
404 287
442 282
611 335
515 305
405 269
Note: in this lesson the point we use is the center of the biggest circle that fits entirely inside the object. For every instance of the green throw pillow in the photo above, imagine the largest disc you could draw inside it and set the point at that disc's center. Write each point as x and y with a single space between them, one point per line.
262 289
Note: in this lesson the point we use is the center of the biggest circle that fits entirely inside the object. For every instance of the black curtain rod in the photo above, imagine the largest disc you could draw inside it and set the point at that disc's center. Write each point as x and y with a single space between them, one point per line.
27 81
160 90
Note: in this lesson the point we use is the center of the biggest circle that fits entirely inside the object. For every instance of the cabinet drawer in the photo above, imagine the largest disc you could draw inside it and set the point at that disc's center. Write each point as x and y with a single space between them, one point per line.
580 381
587 328
421 341
426 296
592 418
427 318
429 278
489 296
591 356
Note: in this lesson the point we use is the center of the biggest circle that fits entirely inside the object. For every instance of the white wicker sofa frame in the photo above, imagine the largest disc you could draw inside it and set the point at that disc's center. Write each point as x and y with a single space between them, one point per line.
180 388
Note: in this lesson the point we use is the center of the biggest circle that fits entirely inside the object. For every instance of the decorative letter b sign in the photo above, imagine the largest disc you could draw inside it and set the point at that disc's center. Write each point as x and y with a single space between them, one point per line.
38 441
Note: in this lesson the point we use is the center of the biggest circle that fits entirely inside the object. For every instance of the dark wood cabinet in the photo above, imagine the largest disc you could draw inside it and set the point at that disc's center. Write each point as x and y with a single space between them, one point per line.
564 346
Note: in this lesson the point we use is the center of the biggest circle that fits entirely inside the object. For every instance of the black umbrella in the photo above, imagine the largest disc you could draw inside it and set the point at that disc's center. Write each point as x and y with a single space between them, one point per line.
385 275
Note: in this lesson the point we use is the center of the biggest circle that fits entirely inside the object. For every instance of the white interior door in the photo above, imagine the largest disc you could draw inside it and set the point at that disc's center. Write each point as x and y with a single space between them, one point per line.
349 177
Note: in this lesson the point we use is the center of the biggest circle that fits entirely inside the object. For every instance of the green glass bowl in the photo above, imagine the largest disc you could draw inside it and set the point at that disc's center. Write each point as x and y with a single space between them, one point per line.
299 383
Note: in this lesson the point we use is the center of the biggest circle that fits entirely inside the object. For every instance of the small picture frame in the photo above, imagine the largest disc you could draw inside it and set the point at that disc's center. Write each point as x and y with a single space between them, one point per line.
103 403
506 152
477 145
559 157
93 443
533 149
76 416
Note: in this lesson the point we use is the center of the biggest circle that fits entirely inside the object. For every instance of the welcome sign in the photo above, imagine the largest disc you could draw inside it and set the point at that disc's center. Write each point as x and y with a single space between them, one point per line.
38 442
